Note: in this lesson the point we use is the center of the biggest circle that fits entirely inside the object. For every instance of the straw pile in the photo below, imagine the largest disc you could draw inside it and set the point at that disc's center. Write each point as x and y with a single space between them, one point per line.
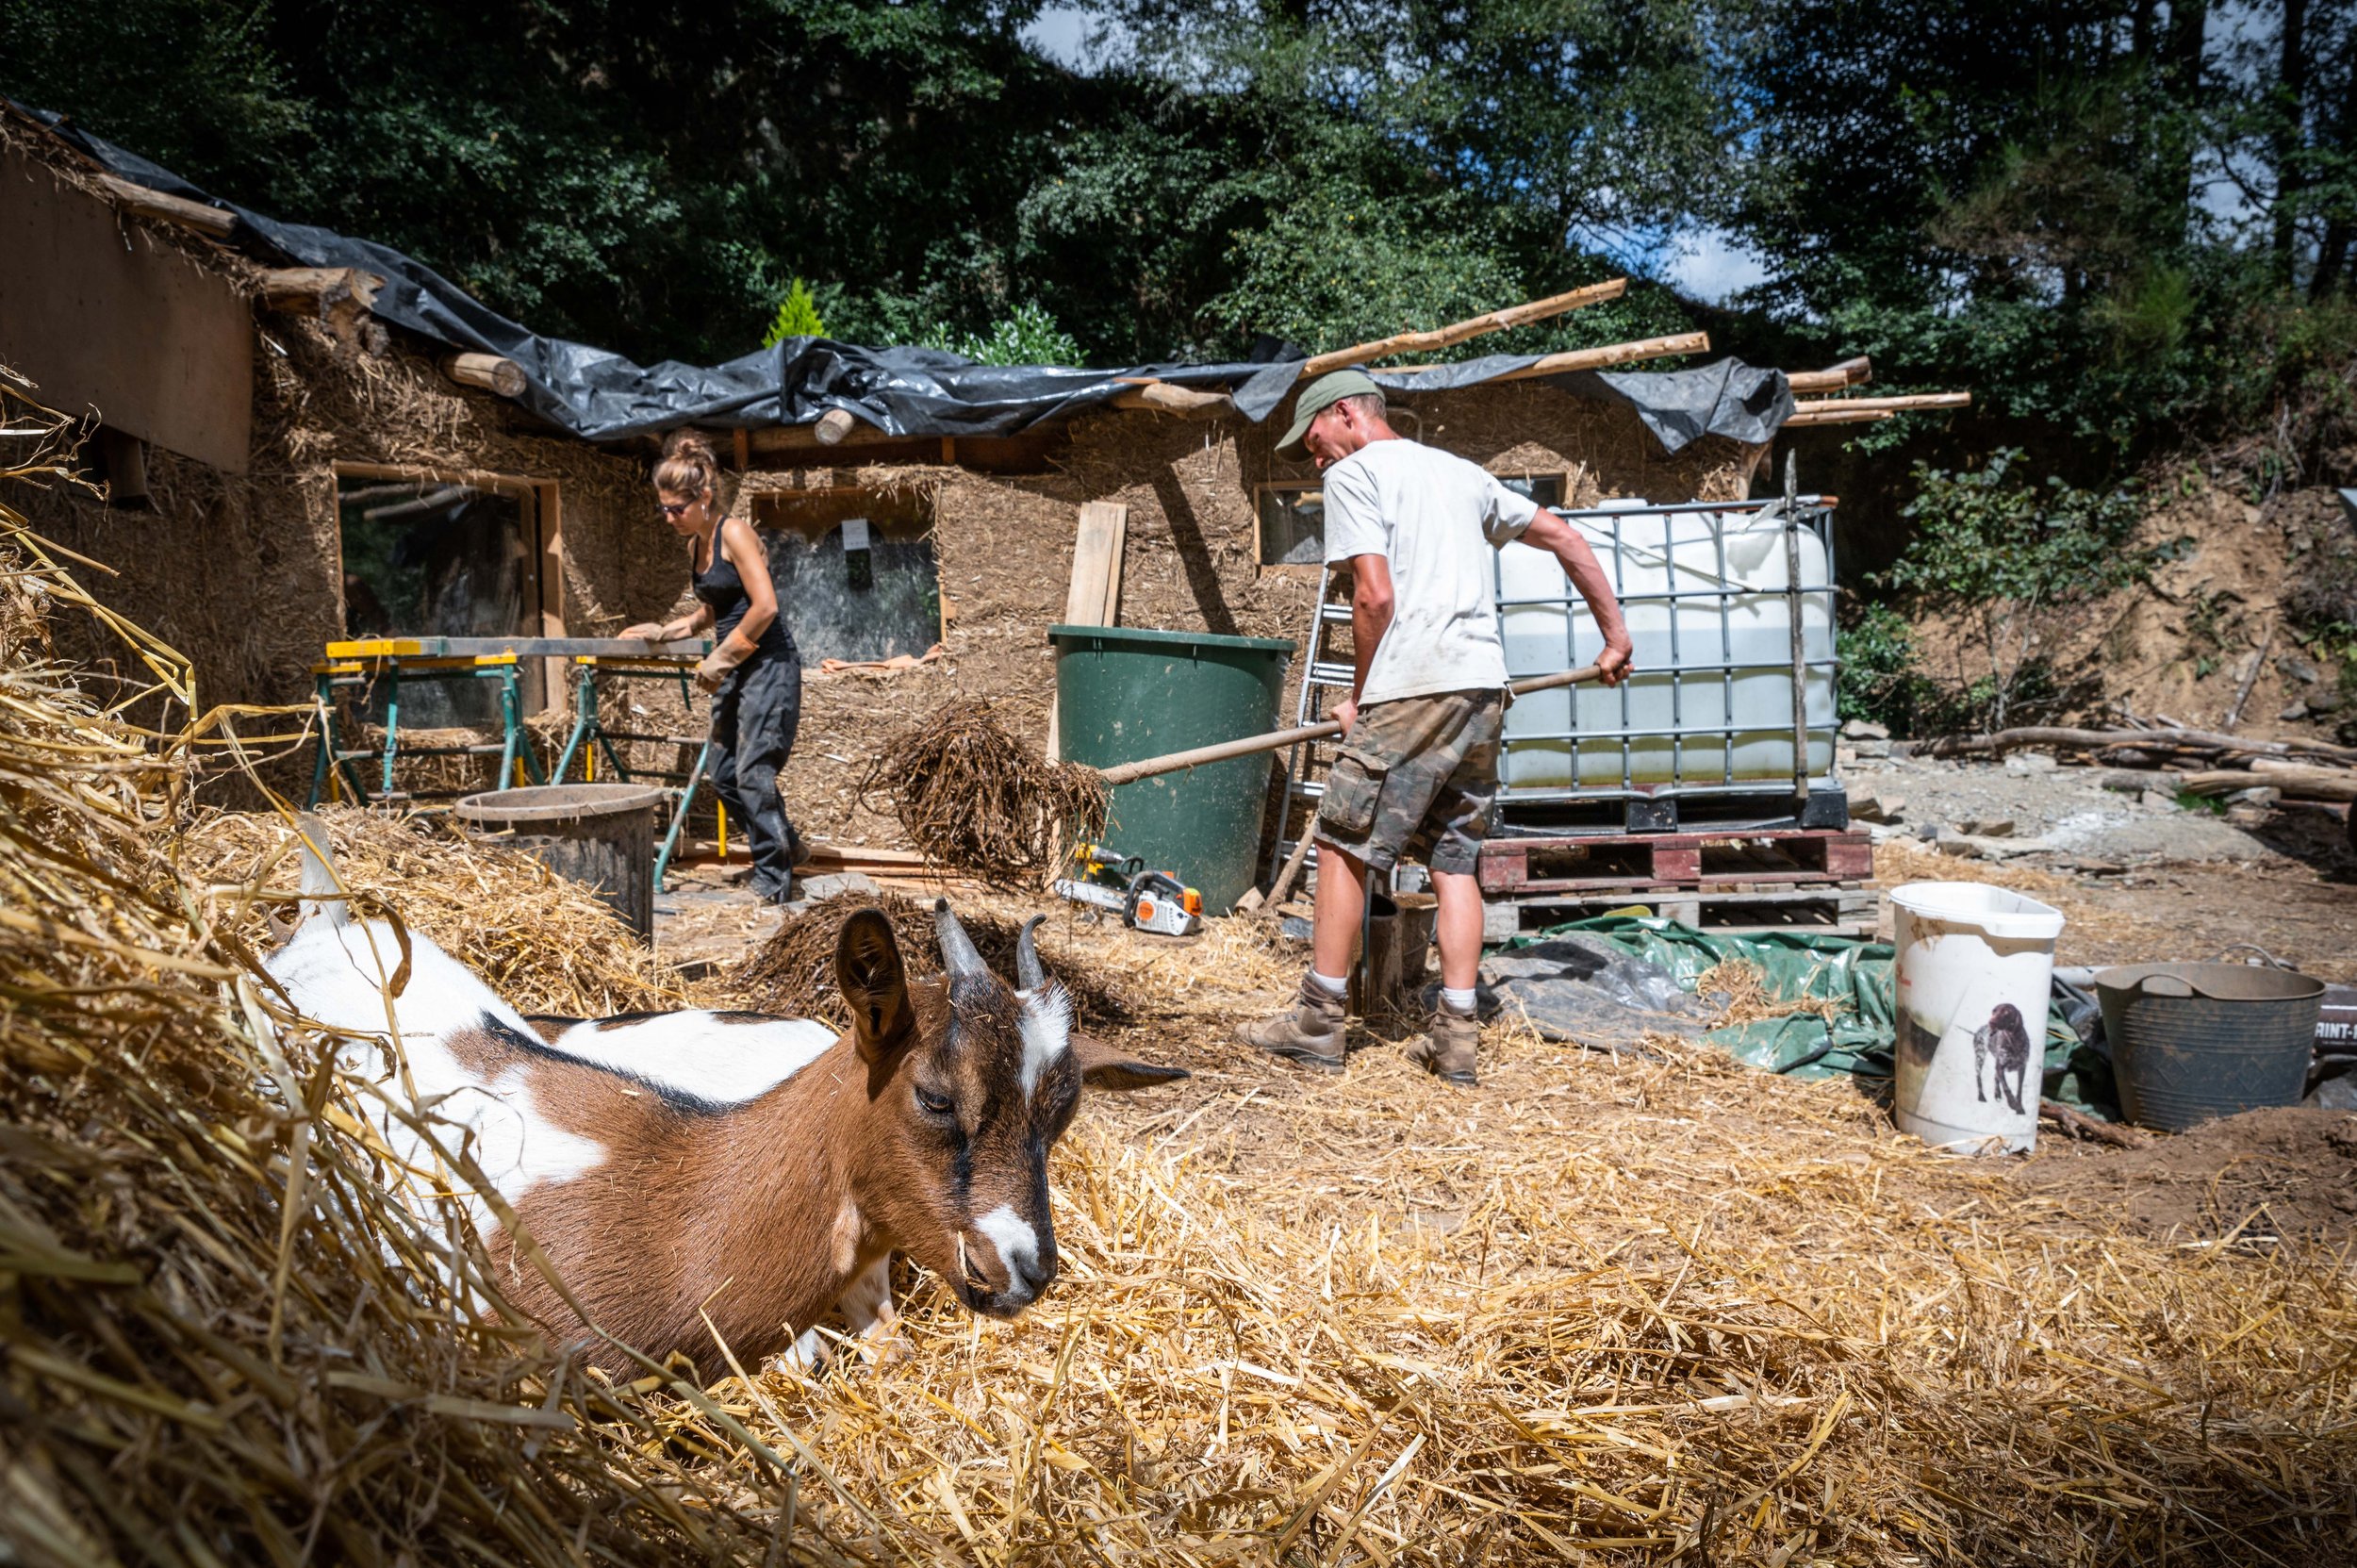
1650 1310
793 973
223 1341
545 944
970 795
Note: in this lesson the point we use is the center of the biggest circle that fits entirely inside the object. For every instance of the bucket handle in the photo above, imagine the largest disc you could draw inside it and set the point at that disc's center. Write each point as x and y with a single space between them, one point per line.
2253 946
2163 985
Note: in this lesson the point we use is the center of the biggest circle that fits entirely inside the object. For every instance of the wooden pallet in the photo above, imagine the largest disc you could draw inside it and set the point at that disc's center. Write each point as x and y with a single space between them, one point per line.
1519 869
1834 909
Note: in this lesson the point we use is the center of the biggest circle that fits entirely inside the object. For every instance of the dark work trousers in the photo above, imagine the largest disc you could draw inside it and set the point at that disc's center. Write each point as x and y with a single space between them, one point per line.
753 719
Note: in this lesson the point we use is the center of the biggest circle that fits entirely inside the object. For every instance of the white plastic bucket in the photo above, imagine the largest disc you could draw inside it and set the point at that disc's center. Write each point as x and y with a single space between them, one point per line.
1975 964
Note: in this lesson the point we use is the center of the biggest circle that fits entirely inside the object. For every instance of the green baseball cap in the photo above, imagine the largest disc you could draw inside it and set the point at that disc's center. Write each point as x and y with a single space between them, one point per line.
1316 398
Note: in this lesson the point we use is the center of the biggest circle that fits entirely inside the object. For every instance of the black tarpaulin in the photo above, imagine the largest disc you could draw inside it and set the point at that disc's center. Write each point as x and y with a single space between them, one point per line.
602 396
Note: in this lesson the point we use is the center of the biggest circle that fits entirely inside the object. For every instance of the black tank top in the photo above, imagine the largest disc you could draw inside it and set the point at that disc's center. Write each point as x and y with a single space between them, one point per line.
721 586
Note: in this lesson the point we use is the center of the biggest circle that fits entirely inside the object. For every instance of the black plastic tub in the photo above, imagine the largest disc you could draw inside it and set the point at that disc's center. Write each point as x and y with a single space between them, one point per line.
2193 1041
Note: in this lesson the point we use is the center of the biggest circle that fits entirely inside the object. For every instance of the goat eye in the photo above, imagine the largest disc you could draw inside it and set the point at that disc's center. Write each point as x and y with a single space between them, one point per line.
934 1104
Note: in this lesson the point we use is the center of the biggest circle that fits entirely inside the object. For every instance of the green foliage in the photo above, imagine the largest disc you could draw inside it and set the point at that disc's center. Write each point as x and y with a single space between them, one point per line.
1027 335
2010 556
798 317
1879 678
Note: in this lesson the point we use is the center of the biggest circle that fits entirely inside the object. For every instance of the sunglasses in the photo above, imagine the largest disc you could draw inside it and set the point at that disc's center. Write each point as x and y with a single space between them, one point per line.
673 508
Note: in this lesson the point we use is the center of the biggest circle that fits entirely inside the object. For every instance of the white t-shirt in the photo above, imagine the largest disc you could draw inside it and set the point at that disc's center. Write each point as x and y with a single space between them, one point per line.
1437 519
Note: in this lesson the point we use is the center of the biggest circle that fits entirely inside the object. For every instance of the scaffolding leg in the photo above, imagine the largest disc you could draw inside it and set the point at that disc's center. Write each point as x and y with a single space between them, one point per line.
511 723
679 815
392 722
327 747
584 720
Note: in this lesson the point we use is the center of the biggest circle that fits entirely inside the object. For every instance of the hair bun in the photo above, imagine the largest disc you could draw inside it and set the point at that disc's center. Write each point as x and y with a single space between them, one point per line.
689 465
689 446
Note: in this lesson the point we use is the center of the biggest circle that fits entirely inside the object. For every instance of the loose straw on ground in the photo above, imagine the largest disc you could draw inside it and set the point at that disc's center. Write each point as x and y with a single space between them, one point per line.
971 796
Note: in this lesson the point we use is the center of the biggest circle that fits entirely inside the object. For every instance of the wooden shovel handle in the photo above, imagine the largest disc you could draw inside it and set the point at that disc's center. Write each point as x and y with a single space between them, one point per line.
1122 773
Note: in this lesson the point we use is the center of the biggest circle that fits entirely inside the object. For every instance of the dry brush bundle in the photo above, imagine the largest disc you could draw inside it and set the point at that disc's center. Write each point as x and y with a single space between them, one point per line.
793 973
970 795
222 1339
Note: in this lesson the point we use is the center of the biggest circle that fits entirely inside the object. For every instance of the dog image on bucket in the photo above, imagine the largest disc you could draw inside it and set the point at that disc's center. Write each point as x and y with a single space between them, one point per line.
2004 1037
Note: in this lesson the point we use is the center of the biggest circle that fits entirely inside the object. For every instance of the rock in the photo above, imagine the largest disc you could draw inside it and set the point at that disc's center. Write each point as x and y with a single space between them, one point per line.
2131 781
1986 827
1873 805
2324 701
1976 847
1865 729
2296 669
2249 815
2265 794
2153 800
2336 1093
2294 713
1843 756
1874 749
2021 763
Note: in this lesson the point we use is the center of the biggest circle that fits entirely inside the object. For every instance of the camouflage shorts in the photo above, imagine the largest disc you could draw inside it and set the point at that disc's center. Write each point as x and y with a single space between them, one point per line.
1417 779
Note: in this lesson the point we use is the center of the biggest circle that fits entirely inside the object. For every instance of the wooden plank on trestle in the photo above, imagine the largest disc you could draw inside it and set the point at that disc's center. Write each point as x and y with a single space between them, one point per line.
1095 596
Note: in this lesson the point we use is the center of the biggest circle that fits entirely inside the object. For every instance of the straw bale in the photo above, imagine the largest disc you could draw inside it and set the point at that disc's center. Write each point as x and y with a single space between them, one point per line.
793 973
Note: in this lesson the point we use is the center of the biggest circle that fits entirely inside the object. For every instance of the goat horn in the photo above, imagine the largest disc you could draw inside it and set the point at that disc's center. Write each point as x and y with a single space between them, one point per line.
1027 970
957 949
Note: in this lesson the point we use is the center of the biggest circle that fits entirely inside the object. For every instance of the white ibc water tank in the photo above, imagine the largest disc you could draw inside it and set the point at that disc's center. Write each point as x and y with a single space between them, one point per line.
1710 706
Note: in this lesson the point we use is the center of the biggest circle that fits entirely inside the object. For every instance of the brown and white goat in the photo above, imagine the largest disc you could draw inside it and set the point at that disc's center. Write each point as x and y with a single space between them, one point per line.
758 1171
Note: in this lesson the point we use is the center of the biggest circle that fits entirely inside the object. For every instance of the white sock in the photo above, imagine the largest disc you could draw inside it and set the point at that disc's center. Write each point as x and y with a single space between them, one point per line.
1459 1002
1331 986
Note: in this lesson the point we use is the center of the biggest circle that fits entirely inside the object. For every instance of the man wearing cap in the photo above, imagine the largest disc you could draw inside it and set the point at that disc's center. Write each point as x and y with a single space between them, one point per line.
1418 769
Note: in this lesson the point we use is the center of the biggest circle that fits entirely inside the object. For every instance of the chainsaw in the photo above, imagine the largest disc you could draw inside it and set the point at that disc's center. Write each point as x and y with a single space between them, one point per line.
1145 899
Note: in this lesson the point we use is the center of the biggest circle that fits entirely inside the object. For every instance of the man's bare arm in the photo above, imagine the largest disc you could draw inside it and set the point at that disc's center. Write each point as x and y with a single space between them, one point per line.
1559 539
1370 617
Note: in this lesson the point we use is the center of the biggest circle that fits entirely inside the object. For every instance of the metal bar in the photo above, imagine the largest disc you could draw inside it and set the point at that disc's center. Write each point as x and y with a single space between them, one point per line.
392 723
511 721
1726 656
584 719
1677 667
1799 672
679 816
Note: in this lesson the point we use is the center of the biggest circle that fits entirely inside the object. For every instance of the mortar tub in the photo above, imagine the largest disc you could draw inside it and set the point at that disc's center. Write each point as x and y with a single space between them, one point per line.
2193 1041
599 833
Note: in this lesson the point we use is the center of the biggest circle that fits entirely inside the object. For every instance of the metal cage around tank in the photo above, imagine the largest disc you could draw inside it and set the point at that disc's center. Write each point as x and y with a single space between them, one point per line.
1711 705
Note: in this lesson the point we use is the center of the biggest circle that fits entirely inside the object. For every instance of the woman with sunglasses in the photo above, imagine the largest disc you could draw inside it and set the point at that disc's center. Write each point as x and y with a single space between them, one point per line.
754 673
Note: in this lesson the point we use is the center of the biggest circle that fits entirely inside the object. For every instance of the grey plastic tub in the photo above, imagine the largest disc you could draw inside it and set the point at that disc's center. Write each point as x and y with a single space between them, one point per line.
2193 1041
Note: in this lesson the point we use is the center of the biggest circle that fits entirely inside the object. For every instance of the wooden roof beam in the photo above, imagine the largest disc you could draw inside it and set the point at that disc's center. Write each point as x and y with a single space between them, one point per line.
1457 332
1889 405
1834 378
138 199
1599 358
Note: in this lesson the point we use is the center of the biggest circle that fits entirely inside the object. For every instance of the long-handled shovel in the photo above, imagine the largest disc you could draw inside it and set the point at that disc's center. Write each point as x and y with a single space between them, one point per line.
1122 773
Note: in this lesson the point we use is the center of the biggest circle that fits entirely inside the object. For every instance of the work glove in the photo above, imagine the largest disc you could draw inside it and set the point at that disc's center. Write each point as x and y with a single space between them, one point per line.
715 665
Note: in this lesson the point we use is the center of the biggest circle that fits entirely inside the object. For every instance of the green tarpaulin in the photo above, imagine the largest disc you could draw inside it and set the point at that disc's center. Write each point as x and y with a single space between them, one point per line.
1796 965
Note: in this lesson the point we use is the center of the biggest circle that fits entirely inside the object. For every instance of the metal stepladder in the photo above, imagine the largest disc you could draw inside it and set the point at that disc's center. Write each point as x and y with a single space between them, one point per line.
361 665
591 736
1324 679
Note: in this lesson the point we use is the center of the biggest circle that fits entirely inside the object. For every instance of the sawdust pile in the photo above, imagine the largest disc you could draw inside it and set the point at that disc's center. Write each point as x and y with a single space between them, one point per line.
793 973
970 795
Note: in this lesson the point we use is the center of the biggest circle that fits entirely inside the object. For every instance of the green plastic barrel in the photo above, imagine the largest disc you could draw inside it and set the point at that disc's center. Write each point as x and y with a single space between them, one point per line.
1123 695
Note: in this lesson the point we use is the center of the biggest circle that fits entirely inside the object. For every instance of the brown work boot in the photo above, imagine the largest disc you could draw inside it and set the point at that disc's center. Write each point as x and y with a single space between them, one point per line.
1309 1035
1447 1048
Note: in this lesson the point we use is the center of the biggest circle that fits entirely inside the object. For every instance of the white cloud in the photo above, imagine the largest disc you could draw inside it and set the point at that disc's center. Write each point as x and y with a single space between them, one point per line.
1709 265
1077 38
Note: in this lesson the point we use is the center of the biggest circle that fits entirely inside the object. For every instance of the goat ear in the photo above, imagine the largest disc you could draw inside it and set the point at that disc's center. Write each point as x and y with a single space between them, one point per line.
875 984
1103 1067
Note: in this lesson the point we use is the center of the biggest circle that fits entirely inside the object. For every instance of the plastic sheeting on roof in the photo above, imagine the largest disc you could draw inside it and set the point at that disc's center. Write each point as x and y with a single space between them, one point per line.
602 396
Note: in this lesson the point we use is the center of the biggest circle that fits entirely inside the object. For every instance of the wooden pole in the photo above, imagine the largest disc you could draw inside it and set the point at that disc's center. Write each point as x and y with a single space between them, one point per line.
1834 378
835 424
1162 397
138 198
1891 404
1122 773
1456 332
493 372
1589 359
1839 416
